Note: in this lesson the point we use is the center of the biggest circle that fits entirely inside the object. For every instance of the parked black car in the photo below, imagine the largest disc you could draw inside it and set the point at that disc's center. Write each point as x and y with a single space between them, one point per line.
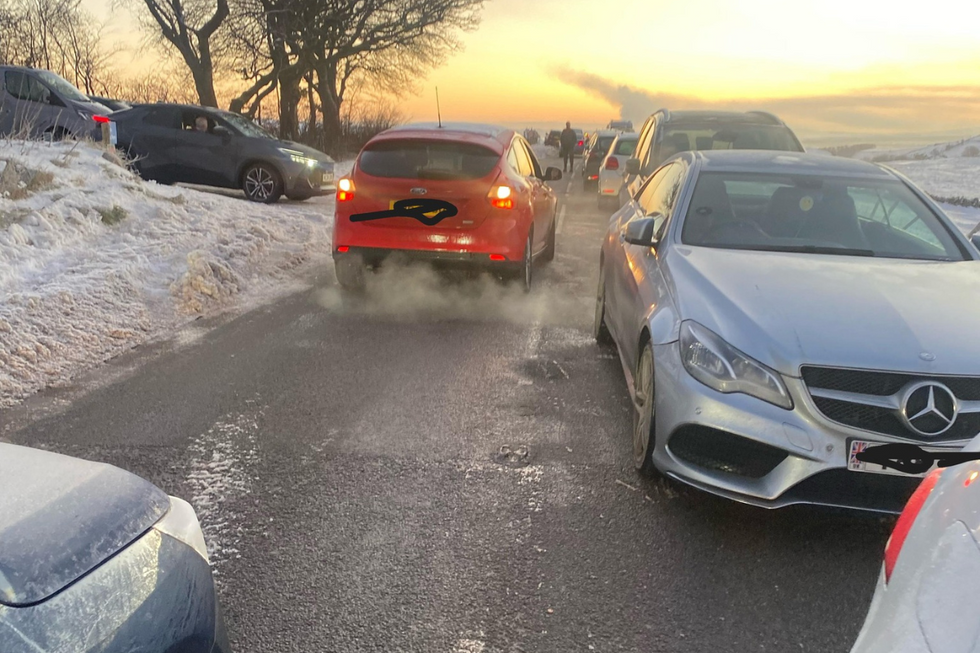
110 103
198 145
95 559
553 138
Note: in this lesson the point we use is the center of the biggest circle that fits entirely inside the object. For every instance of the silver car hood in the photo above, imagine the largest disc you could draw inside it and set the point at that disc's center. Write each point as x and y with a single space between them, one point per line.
787 309
61 517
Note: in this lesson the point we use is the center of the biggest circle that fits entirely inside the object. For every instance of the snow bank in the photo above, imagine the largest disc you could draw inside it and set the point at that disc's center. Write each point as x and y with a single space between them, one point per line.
94 260
943 177
964 148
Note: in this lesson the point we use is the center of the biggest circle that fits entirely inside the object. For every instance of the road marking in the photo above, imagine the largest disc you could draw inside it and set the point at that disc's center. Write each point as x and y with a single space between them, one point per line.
561 219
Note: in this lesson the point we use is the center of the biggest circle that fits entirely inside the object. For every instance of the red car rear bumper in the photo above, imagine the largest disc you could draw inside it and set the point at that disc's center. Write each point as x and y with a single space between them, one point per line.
502 233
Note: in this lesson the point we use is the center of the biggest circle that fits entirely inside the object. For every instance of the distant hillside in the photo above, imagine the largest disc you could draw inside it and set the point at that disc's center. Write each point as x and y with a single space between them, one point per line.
965 148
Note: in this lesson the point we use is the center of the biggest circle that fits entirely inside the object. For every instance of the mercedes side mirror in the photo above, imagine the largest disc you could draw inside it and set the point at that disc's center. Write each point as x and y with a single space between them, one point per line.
640 232
552 174
221 131
632 166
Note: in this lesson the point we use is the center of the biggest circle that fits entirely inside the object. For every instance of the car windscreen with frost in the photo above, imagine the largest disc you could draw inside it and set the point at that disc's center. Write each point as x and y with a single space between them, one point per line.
683 137
61 517
246 126
421 159
815 214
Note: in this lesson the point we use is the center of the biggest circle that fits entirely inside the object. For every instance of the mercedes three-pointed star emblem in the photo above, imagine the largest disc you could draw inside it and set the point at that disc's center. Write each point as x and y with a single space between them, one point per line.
929 408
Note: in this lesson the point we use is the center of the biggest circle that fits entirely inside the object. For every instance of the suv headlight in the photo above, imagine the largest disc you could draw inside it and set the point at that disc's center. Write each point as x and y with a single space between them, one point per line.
181 523
298 157
718 365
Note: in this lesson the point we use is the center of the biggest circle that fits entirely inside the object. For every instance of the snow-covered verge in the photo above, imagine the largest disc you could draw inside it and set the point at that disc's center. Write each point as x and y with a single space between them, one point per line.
964 148
943 178
94 261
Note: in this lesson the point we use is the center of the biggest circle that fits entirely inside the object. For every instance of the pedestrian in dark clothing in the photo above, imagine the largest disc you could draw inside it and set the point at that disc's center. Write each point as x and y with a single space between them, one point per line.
567 143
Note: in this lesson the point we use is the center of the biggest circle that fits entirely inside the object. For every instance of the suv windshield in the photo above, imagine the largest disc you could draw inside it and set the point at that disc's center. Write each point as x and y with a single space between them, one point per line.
245 126
420 159
815 214
62 85
683 137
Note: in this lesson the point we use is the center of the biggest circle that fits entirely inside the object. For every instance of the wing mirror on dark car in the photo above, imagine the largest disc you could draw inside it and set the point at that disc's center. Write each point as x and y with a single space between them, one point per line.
632 166
641 231
552 174
975 239
223 132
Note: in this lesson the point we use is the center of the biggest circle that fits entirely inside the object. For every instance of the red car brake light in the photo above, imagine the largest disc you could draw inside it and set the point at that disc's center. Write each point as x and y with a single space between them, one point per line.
345 190
581 142
904 524
612 163
501 197
101 118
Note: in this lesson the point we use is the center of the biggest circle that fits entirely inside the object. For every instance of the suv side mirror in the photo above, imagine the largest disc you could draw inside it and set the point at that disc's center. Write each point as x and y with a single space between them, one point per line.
632 166
221 131
552 174
640 232
975 239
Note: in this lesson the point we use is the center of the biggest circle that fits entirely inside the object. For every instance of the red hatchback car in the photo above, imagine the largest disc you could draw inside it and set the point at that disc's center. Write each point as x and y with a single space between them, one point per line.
460 194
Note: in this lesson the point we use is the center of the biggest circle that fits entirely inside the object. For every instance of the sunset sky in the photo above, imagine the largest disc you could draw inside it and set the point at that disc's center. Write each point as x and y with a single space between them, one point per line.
829 67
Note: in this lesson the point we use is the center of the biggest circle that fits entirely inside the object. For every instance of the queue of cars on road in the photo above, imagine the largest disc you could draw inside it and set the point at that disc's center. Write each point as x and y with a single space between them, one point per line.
776 314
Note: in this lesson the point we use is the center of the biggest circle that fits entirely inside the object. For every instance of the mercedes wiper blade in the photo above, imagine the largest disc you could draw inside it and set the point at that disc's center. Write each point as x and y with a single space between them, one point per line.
814 249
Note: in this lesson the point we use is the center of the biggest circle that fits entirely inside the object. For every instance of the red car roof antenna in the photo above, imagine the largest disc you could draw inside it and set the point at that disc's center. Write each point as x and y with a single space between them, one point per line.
438 110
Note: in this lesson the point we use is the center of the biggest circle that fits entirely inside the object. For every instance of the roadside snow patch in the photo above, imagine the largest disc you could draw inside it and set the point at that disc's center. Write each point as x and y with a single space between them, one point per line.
94 261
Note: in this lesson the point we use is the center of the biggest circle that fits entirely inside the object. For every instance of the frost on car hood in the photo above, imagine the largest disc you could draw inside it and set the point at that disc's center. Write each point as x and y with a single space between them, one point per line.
787 309
60 517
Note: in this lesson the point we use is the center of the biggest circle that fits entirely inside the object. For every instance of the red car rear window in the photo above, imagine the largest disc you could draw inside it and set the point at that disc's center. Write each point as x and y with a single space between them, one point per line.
421 159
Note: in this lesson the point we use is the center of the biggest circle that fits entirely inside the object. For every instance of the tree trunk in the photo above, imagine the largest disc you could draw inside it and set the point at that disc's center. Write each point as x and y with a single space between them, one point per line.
289 102
311 133
329 105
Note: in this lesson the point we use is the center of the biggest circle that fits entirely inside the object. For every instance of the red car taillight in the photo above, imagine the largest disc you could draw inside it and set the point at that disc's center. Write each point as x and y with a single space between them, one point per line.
101 118
904 524
345 190
501 197
612 163
581 143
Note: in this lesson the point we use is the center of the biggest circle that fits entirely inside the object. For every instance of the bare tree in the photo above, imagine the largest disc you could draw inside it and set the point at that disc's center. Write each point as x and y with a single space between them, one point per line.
176 20
58 35
392 42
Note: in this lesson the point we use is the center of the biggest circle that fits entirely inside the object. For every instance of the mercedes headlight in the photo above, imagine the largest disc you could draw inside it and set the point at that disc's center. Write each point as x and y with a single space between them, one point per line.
298 157
718 365
181 523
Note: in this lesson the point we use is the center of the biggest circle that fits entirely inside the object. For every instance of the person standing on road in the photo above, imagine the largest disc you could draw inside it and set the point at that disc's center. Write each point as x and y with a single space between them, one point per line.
567 143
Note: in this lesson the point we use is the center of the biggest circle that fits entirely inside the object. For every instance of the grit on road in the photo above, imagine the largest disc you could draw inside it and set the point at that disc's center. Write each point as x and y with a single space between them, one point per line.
360 472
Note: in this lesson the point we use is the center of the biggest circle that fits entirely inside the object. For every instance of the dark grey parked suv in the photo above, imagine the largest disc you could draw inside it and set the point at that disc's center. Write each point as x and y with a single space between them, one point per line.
36 102
197 145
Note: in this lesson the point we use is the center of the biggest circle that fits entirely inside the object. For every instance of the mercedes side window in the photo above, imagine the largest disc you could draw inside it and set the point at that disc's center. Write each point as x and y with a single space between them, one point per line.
646 197
163 117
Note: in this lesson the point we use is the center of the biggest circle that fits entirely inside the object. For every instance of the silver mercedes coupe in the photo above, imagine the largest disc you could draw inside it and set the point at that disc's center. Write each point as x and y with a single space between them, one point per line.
778 313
